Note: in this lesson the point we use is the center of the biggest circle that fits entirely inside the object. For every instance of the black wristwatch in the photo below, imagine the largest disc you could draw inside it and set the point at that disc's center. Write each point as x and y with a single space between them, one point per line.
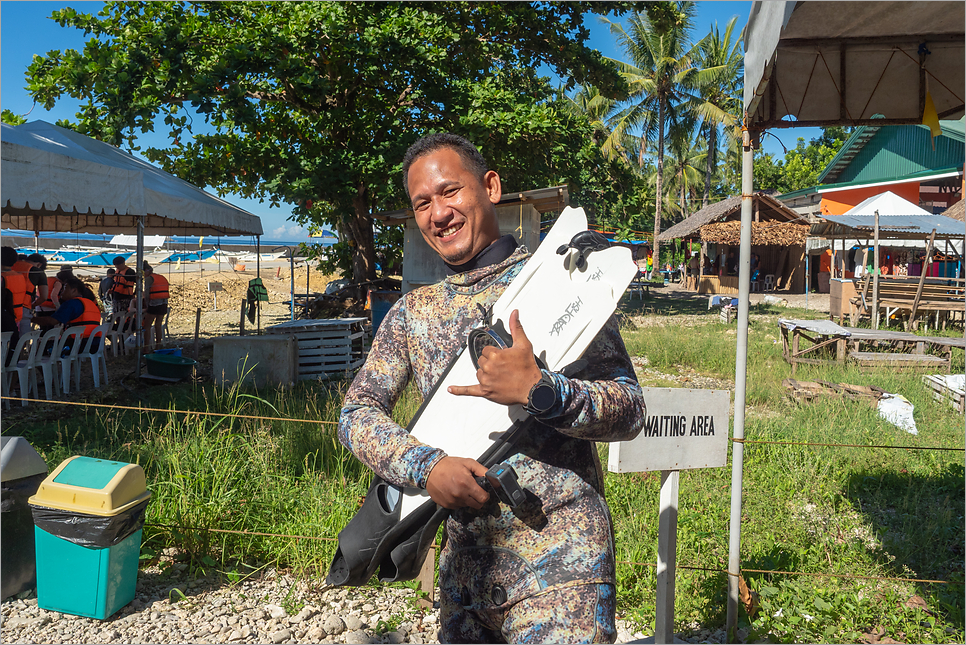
542 395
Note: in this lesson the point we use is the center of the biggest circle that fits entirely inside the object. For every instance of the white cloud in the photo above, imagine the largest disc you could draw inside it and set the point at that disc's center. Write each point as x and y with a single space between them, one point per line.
289 232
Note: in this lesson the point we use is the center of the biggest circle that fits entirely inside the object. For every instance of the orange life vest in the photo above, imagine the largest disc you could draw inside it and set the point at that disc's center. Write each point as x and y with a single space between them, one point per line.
17 283
24 268
90 317
48 304
123 284
159 288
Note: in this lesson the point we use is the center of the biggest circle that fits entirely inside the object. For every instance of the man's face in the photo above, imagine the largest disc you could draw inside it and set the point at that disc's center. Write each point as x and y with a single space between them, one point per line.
454 209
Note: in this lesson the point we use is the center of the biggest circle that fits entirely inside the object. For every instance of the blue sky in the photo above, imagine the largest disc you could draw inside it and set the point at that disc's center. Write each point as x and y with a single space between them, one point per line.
25 30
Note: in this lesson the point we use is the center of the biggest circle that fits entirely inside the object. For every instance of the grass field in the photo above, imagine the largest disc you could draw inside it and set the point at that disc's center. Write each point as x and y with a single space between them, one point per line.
860 527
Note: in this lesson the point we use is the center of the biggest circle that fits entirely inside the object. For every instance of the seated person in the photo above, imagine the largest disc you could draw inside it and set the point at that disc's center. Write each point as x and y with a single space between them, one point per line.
78 307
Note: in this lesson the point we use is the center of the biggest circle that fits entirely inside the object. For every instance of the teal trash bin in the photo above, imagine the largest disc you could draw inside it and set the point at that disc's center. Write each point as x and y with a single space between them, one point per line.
88 516
21 472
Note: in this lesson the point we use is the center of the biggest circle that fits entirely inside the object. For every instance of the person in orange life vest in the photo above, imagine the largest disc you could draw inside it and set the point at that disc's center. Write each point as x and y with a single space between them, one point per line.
32 268
8 317
122 293
156 302
79 307
15 282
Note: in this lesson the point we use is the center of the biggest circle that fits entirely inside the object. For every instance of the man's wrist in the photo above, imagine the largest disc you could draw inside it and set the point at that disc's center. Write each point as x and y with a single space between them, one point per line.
542 396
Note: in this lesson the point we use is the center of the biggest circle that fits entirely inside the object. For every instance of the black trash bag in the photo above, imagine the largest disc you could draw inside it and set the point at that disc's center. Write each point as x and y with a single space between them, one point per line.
91 531
17 563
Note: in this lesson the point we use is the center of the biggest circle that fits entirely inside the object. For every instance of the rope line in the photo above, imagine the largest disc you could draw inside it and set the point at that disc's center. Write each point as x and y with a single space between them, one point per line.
622 562
843 445
171 410
323 422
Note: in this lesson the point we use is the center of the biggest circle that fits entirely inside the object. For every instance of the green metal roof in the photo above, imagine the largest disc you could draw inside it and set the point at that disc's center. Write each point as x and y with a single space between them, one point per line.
873 154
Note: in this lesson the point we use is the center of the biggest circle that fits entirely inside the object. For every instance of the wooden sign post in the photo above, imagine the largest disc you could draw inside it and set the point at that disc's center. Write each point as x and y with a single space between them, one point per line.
684 429
215 287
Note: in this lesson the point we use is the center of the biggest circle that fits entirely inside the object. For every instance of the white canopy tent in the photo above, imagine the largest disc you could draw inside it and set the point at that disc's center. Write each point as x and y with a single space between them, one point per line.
54 179
810 64
852 63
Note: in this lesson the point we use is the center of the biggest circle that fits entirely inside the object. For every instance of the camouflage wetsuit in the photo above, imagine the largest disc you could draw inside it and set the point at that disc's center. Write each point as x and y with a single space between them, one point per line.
546 573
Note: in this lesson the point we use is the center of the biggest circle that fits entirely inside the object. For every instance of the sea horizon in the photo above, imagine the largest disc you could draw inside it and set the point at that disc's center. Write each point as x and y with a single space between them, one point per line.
173 241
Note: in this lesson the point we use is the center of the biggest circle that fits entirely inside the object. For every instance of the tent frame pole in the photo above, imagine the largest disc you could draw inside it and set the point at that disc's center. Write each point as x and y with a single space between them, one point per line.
139 270
741 369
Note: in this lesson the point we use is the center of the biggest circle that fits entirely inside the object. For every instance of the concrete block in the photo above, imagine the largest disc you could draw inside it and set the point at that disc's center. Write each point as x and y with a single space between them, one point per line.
262 361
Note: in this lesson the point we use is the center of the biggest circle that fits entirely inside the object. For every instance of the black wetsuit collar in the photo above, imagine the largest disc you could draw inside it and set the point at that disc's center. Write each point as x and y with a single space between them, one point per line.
493 254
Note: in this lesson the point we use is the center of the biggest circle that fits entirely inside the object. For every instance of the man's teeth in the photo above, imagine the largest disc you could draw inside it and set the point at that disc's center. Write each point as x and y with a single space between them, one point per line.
449 231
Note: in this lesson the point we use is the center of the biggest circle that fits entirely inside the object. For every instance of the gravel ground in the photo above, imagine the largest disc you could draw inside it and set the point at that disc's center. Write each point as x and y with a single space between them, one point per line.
172 607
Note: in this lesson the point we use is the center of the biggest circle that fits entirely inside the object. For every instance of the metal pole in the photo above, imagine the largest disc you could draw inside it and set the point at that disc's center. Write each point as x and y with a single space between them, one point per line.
741 368
139 270
667 548
875 275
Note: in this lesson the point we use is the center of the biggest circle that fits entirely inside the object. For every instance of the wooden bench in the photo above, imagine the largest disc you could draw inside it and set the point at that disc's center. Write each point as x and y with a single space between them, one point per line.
899 295
899 361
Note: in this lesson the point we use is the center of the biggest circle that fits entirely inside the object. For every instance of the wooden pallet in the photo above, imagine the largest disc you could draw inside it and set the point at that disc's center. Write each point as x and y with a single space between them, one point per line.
327 348
942 391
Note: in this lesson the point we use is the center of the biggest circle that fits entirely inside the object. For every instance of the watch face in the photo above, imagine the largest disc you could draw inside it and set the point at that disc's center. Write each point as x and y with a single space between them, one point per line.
542 397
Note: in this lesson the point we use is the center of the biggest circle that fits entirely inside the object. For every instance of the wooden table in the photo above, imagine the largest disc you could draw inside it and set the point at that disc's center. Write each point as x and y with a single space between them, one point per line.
832 343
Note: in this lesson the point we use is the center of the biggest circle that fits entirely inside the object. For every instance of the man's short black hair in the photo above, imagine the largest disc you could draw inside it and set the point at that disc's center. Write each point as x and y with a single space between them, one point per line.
37 258
118 260
8 256
471 157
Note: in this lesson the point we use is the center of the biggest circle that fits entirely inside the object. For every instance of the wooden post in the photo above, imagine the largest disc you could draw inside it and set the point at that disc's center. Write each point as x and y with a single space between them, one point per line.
875 274
197 330
922 279
427 579
241 320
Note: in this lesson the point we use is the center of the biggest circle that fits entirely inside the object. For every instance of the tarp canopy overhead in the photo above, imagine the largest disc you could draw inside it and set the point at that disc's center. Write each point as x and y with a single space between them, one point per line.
899 219
843 63
54 179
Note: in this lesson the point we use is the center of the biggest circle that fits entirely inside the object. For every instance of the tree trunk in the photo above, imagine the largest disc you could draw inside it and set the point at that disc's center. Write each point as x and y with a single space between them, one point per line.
711 159
364 250
659 201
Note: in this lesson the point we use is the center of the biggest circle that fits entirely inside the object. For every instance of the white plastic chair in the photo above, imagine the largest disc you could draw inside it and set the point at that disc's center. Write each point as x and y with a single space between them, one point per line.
70 364
15 364
45 363
4 342
96 357
114 332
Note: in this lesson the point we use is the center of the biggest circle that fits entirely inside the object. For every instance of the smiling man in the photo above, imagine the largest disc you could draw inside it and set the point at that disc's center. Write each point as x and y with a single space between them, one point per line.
541 575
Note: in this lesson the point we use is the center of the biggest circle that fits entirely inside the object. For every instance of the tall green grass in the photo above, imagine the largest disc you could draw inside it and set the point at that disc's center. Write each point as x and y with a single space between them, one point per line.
874 512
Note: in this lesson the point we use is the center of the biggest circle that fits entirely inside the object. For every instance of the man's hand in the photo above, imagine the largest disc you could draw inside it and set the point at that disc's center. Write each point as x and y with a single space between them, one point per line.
452 484
505 375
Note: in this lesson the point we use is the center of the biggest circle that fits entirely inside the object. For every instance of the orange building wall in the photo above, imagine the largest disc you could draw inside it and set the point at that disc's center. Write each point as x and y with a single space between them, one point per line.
838 202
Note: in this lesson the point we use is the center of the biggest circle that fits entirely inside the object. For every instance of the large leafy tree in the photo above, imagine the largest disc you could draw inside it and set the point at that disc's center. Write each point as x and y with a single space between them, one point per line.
314 103
660 76
802 165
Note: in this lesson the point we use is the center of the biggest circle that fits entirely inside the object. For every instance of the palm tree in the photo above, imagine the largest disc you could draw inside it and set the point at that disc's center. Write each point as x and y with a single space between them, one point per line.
659 77
597 108
686 158
719 88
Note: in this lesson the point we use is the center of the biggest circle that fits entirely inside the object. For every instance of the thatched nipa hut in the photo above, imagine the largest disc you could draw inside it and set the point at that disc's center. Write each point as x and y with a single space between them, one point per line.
777 239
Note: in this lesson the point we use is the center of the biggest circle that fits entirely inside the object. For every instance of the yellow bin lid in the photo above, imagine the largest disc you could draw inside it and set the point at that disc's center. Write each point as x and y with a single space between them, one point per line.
93 487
